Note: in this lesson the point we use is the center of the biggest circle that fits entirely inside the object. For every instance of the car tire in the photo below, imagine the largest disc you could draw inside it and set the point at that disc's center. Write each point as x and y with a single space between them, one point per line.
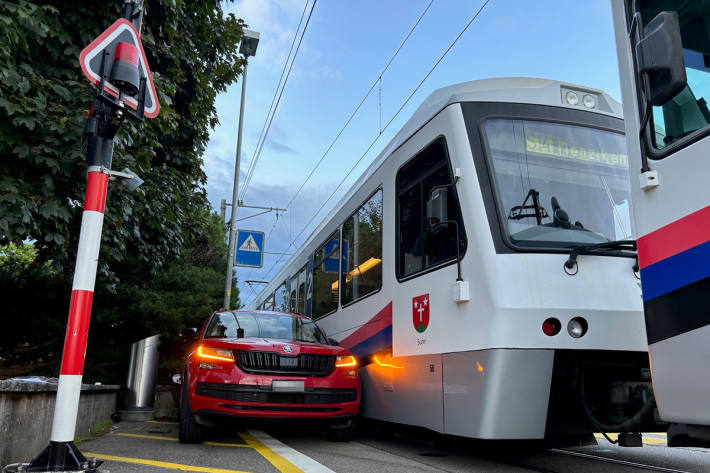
340 433
189 431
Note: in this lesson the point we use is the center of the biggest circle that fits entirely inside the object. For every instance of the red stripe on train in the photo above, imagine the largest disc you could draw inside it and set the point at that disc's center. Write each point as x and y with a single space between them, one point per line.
77 332
376 324
676 237
96 186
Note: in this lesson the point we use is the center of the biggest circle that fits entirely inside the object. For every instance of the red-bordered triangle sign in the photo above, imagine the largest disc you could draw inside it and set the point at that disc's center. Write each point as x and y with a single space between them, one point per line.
90 59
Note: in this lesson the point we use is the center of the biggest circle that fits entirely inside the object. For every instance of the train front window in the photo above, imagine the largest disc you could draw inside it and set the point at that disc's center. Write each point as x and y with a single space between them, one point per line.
560 185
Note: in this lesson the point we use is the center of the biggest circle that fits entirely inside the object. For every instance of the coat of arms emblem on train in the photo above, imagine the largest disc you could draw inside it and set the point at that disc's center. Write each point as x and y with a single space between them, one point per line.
420 312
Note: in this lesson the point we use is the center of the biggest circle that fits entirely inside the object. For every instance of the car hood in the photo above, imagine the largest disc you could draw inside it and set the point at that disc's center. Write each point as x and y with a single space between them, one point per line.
283 347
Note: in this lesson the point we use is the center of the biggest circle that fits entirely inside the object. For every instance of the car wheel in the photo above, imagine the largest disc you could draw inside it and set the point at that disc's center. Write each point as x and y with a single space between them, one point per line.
340 432
189 430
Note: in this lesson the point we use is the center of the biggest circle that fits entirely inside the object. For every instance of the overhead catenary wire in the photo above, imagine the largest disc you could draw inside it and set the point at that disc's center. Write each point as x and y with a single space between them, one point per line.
354 112
278 85
399 110
269 119
377 81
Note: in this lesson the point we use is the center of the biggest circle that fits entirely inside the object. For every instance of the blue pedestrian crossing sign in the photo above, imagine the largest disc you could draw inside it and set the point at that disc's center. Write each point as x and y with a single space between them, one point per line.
250 249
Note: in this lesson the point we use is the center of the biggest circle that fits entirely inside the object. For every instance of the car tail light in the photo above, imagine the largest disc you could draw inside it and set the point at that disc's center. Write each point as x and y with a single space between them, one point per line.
551 327
346 361
219 354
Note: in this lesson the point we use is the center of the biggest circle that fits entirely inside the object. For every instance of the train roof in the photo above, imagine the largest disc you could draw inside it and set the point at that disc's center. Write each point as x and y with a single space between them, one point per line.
527 90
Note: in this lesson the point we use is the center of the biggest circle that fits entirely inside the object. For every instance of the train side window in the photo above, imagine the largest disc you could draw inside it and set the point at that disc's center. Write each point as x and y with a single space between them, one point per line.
326 269
420 246
361 259
292 299
302 291
281 298
269 303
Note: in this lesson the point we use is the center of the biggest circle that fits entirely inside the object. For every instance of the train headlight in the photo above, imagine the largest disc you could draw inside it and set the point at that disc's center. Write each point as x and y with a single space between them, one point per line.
577 327
572 98
589 101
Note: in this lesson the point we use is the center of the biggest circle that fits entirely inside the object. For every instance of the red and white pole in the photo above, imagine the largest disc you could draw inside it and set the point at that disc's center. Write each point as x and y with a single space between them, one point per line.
69 389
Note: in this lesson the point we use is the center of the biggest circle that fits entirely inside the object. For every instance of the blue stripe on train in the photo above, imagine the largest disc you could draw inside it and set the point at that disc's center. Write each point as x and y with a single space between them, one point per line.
675 272
377 342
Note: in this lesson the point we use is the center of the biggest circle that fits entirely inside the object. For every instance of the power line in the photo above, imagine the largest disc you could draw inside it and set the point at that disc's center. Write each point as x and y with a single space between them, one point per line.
278 85
354 112
378 80
257 152
414 91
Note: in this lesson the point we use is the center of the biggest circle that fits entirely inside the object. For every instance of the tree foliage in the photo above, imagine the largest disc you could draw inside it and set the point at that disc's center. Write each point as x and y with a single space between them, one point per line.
191 47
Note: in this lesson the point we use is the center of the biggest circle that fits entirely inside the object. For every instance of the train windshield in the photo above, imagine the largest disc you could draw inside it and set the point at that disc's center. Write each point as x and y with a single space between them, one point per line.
560 185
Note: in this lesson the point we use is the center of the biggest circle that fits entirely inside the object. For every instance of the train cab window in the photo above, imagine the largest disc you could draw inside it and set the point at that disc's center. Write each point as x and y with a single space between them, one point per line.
361 259
302 291
688 111
326 269
421 245
281 298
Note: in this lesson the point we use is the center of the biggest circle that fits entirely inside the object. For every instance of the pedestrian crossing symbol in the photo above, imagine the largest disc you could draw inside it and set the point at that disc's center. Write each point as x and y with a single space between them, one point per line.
250 249
249 245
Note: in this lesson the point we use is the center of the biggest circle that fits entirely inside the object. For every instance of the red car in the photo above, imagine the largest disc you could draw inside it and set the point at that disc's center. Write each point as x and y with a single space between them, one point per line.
267 365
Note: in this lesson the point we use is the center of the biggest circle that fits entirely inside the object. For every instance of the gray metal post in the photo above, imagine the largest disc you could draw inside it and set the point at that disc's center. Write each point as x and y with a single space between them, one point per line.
235 198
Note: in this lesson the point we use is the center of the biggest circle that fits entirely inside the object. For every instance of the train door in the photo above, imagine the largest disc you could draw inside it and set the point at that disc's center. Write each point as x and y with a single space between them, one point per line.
664 62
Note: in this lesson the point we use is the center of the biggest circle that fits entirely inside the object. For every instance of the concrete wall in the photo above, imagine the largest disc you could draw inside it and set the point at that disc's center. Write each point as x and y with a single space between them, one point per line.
27 409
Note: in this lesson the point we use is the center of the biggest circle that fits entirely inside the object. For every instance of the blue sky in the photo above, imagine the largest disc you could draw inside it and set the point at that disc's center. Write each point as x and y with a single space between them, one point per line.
345 47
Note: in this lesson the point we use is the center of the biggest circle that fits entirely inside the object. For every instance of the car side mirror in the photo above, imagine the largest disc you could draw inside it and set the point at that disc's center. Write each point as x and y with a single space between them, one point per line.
333 341
437 206
659 54
190 332
240 332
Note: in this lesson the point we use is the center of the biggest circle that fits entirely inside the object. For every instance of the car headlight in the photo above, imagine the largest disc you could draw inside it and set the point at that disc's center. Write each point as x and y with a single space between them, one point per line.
218 354
345 361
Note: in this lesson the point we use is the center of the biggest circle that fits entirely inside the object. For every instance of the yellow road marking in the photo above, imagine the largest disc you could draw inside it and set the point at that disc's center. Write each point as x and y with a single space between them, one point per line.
646 440
174 439
163 422
279 462
174 466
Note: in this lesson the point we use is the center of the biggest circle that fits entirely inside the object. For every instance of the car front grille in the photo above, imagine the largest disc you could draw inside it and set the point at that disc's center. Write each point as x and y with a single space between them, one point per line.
249 393
267 362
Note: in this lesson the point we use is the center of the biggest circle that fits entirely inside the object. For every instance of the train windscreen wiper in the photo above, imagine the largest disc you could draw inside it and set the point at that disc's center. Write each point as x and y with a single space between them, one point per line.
623 248
519 211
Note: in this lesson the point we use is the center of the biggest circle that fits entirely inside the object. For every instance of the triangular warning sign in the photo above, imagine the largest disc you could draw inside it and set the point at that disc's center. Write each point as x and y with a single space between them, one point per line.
90 59
249 245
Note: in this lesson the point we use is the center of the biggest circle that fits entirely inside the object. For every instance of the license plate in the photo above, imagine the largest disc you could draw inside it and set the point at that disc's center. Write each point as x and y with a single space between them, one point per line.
288 362
279 385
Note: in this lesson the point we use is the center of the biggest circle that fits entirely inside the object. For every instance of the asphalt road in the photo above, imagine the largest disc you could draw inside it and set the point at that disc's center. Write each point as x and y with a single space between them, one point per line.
293 448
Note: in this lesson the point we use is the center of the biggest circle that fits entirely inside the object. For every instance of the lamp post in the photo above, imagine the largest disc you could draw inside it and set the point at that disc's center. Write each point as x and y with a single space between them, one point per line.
247 48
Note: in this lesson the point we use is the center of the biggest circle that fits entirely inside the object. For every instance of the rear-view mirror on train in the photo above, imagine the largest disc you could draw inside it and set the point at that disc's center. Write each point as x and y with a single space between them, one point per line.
659 54
437 206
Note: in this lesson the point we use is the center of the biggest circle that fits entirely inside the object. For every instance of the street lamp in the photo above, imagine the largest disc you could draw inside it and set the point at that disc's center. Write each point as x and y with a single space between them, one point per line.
250 40
247 48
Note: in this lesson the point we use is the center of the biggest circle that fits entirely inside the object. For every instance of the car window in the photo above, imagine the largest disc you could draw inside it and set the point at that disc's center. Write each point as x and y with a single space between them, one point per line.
283 327
223 325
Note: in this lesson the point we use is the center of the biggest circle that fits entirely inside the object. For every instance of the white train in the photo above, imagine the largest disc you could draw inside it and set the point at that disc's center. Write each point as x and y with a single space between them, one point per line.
509 337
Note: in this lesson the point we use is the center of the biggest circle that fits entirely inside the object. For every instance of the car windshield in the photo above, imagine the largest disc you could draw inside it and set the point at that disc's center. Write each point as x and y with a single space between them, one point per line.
560 185
255 324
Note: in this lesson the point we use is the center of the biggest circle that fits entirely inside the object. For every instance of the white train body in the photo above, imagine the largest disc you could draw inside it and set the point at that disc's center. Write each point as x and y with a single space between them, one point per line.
482 366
